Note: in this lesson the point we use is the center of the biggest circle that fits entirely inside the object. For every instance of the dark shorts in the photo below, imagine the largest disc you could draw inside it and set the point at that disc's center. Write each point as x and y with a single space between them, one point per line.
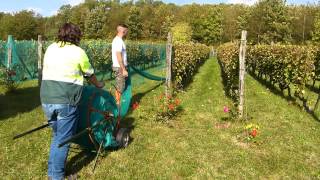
120 79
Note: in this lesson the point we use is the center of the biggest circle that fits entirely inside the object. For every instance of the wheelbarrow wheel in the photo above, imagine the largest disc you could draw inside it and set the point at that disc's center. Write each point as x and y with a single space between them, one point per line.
123 137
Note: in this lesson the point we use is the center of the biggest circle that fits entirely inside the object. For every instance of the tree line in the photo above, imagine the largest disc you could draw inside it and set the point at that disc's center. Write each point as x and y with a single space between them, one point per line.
268 21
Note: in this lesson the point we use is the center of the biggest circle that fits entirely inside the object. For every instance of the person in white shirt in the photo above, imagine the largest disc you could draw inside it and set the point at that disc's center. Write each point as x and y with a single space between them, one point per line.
119 60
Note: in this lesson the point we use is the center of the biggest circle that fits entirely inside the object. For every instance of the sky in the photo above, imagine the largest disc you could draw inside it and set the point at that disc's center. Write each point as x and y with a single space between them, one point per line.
50 7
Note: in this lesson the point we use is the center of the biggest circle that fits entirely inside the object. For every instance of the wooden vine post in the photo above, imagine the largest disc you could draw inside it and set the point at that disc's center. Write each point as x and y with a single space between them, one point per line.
242 71
40 45
168 61
9 54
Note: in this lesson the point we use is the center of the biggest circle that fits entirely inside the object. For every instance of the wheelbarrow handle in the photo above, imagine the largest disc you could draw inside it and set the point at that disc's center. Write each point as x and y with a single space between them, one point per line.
30 131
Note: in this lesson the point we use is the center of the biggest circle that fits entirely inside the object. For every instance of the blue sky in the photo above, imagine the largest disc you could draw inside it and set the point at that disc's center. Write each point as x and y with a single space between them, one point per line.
50 7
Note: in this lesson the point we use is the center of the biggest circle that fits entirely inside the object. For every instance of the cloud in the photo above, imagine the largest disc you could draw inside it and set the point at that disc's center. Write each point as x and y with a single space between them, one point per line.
53 13
35 9
73 2
246 2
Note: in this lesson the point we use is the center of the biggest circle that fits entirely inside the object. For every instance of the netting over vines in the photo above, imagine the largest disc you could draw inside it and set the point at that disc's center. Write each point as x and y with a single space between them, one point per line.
24 59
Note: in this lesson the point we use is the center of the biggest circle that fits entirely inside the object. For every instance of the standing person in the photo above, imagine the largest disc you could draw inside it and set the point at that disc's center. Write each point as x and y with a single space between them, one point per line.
119 60
64 68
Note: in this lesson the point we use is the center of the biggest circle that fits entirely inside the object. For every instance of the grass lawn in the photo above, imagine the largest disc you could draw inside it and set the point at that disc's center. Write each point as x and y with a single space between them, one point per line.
199 143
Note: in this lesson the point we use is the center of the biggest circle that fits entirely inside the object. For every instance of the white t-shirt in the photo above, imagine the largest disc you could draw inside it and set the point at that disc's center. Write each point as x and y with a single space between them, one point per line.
118 46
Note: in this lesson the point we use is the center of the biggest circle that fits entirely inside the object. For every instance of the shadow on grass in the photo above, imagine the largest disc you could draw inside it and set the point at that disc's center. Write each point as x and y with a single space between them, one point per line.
84 157
20 101
278 92
272 88
77 162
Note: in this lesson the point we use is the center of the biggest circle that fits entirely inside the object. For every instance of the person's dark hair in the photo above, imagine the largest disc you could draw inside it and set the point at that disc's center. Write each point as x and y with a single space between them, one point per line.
123 25
69 33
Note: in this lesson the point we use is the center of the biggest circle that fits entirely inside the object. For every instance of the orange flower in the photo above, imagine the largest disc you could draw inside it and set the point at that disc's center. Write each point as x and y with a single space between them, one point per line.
254 133
171 107
177 101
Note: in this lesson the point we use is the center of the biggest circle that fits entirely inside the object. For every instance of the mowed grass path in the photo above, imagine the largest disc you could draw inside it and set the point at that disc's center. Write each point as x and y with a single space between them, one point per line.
197 144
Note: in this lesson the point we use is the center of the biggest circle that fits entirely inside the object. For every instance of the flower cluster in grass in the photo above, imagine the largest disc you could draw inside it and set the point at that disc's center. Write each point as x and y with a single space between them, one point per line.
7 79
166 107
251 131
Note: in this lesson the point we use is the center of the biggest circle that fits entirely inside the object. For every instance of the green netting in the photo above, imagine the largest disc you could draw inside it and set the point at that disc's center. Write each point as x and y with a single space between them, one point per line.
2 53
147 75
27 52
142 57
24 60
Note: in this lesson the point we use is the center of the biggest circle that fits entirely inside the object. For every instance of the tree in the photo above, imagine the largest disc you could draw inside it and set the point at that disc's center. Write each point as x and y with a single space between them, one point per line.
167 24
23 25
134 22
79 15
181 32
269 22
6 25
208 28
64 15
233 19
95 22
302 22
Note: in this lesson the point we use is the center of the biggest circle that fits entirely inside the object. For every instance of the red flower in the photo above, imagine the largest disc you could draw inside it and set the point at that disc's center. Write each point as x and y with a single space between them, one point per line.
135 105
171 107
254 132
177 101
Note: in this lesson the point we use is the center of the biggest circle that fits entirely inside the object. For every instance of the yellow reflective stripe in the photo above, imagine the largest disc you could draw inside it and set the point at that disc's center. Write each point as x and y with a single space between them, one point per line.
85 65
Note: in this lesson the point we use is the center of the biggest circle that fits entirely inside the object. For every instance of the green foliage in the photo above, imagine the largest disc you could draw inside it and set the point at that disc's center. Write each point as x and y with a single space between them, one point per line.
228 55
208 28
284 65
233 21
181 33
316 33
287 66
134 22
7 79
95 22
302 22
269 22
187 59
22 25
